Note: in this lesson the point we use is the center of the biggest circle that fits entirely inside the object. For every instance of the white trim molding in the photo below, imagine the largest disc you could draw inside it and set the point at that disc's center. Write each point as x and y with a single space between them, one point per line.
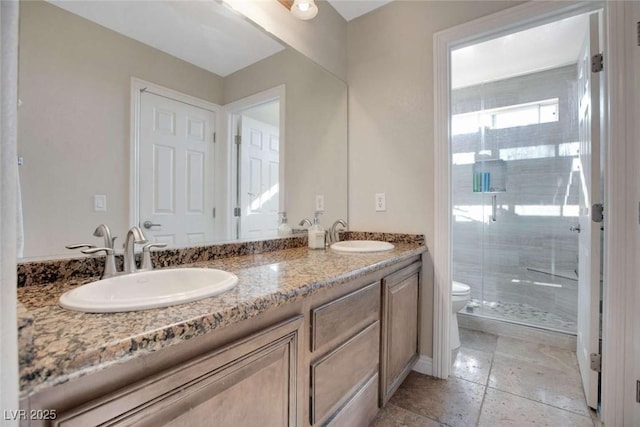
424 365
442 243
517 18
621 226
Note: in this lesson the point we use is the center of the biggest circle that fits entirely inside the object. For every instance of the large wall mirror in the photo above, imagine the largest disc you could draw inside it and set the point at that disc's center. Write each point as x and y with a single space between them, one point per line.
181 114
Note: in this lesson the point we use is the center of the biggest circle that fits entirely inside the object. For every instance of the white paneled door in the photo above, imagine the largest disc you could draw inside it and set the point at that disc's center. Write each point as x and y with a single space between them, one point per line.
259 178
589 240
176 171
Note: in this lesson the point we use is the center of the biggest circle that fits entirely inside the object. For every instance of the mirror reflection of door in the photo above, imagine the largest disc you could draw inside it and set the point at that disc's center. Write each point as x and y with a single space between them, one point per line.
259 171
176 169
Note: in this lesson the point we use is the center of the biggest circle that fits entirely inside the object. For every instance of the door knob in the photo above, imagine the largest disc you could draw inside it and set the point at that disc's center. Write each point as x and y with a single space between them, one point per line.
149 224
575 228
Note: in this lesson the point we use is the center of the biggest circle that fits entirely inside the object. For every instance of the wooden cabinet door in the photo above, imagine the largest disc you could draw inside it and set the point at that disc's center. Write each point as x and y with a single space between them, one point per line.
400 317
252 382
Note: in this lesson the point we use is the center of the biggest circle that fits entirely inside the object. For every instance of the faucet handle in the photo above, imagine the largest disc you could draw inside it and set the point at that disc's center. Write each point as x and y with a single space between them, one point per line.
95 250
305 221
146 254
80 246
148 246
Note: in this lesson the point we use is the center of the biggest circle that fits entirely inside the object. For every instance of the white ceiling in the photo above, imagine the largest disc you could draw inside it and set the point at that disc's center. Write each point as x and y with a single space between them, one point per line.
204 33
351 9
541 48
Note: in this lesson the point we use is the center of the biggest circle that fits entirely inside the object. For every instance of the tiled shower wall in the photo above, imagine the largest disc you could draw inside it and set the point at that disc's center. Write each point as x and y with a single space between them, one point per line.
501 260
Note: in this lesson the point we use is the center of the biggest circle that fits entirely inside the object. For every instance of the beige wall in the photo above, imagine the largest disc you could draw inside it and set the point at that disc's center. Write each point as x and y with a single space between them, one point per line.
316 130
75 80
323 39
390 77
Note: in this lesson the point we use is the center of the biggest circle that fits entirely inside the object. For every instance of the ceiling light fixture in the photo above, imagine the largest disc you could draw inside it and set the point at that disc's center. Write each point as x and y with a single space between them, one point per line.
301 9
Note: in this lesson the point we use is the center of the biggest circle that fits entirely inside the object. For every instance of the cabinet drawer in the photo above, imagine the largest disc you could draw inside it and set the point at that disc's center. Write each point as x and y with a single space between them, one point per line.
362 407
336 376
343 317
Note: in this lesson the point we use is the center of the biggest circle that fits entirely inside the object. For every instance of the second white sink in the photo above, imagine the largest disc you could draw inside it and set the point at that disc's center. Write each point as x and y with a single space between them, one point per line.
148 289
362 246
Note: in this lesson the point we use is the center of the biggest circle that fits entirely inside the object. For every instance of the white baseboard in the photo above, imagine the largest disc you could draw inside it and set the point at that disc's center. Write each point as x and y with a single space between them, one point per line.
424 365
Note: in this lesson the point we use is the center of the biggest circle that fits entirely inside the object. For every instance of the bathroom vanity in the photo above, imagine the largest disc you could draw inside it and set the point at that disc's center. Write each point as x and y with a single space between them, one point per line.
307 337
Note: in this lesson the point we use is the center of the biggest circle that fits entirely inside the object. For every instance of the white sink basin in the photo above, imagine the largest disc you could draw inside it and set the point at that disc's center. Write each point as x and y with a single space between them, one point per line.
148 289
362 246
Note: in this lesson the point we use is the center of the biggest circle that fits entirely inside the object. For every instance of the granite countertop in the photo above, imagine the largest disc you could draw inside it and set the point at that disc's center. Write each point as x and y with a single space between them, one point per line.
62 344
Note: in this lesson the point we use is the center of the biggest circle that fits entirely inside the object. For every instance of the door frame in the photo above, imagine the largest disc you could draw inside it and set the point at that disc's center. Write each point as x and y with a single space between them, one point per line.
520 17
230 113
137 88
621 268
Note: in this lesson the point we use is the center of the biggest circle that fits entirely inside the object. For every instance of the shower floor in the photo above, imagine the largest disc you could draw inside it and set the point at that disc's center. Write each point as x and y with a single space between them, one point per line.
521 313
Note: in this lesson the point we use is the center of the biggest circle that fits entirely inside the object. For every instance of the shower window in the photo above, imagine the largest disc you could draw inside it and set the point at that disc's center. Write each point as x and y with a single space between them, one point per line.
506 117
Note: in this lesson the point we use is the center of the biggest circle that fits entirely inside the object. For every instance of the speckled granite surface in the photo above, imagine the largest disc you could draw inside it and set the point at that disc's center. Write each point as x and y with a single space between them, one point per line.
69 344
25 335
386 237
42 272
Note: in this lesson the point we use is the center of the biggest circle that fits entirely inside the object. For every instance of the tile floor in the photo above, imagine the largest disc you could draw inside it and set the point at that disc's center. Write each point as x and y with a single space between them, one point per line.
496 381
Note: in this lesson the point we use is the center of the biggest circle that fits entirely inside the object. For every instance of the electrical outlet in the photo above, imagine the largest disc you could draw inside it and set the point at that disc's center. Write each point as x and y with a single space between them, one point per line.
319 202
99 203
381 202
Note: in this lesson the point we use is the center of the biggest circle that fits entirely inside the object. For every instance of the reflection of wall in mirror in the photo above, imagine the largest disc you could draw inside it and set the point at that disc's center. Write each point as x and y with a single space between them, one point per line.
73 132
315 136
75 82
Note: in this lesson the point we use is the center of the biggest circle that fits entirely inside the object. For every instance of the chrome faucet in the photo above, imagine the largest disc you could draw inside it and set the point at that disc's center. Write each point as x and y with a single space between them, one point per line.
109 263
333 233
134 235
103 230
305 221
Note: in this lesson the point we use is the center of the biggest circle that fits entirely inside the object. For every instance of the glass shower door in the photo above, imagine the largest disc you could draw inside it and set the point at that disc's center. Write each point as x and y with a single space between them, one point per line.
515 186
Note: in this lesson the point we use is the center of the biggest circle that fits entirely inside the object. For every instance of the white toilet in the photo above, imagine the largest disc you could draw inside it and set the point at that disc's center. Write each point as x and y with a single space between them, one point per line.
459 297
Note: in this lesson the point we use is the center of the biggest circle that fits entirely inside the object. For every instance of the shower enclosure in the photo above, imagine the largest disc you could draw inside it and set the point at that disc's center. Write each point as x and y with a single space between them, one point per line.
515 185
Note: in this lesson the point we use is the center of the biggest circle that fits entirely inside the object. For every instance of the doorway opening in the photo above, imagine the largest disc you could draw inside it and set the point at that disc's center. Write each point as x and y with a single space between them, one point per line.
518 237
516 174
525 179
257 163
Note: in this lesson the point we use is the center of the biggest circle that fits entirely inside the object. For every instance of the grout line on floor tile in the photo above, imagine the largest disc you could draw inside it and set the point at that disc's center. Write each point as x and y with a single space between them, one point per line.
486 387
420 415
537 401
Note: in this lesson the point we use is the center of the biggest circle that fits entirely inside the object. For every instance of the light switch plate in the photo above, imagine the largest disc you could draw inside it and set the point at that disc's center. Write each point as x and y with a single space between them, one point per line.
381 202
320 202
99 203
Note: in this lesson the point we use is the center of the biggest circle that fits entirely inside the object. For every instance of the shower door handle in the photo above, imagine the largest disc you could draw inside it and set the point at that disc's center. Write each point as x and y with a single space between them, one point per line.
494 207
575 228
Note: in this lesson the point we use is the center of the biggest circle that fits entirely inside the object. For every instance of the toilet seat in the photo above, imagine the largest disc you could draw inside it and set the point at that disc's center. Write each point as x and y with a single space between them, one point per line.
460 288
